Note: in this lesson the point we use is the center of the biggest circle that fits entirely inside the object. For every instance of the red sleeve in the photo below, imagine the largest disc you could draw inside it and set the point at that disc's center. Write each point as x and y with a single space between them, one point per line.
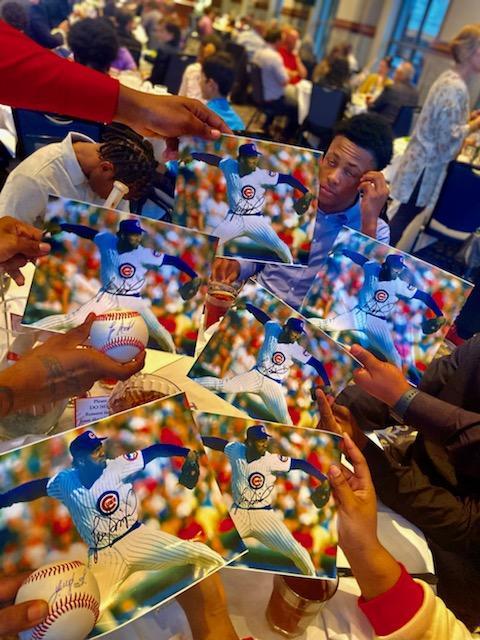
32 77
391 610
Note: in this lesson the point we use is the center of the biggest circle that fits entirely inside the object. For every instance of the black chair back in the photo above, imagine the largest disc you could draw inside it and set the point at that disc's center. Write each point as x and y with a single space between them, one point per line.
326 107
403 122
257 85
176 66
36 129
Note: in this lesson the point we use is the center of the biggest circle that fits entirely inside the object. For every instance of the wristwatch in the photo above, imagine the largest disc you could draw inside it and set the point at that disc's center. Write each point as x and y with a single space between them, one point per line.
399 409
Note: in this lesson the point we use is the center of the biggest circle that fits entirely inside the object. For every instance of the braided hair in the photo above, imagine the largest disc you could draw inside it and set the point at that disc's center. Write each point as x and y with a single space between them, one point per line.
132 158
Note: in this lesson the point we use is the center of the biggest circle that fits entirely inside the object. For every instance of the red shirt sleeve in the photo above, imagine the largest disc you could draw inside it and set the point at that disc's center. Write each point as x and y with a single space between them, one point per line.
391 610
32 77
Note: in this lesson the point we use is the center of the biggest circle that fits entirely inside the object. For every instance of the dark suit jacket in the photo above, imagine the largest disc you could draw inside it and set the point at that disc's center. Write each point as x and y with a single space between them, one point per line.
393 98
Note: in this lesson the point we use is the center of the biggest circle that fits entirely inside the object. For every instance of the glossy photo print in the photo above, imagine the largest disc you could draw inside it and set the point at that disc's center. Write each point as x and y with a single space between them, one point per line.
258 197
395 305
103 260
266 359
117 496
273 481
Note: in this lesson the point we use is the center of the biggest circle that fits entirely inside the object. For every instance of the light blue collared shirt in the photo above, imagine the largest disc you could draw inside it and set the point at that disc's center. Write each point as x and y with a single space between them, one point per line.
291 284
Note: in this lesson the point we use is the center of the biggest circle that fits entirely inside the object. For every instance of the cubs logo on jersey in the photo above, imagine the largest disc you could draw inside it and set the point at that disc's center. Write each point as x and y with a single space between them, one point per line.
278 358
381 295
248 192
108 503
282 458
133 455
127 270
256 480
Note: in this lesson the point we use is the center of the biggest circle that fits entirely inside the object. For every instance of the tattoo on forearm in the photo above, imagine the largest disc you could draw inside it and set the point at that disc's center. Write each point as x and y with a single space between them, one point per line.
61 383
7 399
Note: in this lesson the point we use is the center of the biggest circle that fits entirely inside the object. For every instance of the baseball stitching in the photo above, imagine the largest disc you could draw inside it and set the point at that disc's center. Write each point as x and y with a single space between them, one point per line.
75 601
123 342
40 574
117 315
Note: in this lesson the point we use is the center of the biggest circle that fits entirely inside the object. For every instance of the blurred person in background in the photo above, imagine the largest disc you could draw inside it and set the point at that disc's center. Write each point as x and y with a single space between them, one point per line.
323 66
151 17
401 93
336 77
15 15
192 76
39 26
441 128
94 43
251 37
124 24
374 83
168 35
205 24
291 60
218 75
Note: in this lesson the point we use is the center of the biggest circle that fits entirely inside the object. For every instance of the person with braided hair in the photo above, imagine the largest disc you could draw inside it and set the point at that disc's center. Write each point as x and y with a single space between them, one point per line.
80 169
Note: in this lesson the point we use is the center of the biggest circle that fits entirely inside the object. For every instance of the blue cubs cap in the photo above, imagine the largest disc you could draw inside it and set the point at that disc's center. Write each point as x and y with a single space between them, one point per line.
84 444
130 226
394 261
295 324
249 150
257 432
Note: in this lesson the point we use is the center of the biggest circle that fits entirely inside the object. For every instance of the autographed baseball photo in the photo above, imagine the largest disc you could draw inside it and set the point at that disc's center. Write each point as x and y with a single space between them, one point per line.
103 260
273 480
395 305
131 496
266 359
257 197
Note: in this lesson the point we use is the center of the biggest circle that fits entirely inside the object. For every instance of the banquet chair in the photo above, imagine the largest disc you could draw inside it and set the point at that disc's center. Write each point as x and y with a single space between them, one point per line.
176 66
455 216
36 129
257 95
404 120
327 106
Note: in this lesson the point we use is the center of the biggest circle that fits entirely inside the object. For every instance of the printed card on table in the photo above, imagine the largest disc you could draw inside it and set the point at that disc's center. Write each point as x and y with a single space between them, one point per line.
386 300
110 496
266 359
273 480
103 260
258 197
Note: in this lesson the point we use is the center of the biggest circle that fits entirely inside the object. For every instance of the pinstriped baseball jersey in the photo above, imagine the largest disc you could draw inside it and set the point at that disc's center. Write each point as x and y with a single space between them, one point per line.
124 273
379 297
253 482
246 194
275 358
108 508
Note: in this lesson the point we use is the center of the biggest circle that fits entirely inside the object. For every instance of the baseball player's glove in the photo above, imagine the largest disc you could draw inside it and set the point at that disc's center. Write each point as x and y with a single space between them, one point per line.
302 205
431 325
190 288
190 472
321 495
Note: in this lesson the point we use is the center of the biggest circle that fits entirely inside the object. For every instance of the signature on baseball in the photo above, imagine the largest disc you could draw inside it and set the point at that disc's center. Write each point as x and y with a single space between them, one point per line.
64 588
119 328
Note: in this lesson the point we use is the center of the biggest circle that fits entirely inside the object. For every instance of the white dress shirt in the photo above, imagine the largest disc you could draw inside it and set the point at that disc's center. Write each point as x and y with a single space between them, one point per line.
274 74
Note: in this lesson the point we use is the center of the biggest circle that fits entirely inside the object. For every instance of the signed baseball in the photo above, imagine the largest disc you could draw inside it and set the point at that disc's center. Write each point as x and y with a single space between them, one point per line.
120 334
73 601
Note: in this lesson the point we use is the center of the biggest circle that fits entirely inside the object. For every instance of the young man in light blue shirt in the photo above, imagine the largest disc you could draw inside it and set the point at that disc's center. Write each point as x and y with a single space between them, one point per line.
218 75
352 192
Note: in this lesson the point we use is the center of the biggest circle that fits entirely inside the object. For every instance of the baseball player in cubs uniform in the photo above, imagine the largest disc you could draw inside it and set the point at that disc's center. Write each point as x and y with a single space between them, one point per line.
279 351
103 505
382 288
124 264
252 486
246 189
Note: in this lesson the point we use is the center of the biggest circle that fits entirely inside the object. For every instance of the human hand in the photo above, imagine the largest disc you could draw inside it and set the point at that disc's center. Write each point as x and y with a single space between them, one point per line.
167 117
60 368
474 123
337 419
374 190
19 243
19 617
380 379
205 606
225 270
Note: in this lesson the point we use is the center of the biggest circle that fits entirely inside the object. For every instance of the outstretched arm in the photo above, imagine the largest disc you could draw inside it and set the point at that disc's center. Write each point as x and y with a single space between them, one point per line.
320 369
212 442
25 492
306 467
180 264
79 230
427 299
354 256
257 313
284 178
208 158
163 451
